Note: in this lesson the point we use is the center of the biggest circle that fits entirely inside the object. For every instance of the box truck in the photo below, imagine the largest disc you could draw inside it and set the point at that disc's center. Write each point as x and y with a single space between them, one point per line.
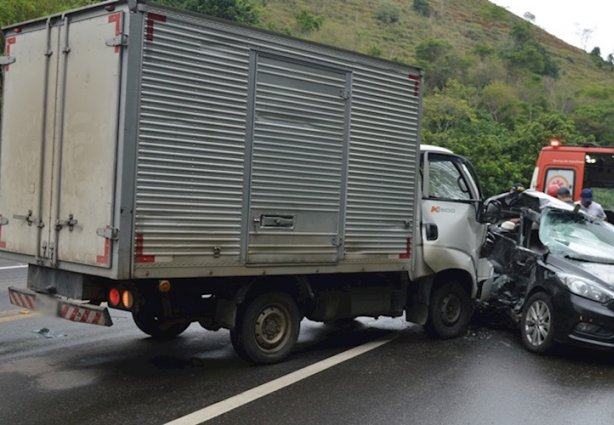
188 169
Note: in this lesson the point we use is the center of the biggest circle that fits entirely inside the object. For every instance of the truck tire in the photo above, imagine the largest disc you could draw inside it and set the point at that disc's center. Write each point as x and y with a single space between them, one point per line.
267 328
158 330
449 311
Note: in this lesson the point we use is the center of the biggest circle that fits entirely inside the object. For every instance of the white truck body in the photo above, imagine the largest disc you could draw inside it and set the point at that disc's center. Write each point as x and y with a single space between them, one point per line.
202 148
142 145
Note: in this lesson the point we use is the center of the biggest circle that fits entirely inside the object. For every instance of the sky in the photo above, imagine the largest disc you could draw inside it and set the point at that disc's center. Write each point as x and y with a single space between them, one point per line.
585 24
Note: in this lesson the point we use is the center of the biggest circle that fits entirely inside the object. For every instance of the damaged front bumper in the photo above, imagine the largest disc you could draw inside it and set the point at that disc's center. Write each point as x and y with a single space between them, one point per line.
73 310
583 322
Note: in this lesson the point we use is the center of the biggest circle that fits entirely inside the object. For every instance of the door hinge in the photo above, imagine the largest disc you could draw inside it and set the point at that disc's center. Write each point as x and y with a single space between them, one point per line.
118 40
111 233
3 221
7 60
51 253
345 94
336 241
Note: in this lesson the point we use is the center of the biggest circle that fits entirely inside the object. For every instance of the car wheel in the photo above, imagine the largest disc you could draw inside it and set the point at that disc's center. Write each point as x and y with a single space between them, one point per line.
267 328
449 311
537 323
160 330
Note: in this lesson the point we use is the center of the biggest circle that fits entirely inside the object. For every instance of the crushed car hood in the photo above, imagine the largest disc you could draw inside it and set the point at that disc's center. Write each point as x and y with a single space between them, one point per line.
603 272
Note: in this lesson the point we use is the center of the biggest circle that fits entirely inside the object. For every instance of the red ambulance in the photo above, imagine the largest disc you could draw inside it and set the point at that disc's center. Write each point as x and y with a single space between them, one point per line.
577 167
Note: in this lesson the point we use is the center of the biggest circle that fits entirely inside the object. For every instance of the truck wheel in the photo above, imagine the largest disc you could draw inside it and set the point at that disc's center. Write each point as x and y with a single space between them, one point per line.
267 328
537 324
449 311
157 329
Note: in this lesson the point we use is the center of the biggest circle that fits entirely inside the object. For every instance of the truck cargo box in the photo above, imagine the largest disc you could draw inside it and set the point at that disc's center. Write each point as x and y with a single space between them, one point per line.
143 142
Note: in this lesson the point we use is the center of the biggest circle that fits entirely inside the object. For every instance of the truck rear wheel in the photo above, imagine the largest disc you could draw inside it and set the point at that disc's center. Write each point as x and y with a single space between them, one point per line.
158 329
267 328
449 311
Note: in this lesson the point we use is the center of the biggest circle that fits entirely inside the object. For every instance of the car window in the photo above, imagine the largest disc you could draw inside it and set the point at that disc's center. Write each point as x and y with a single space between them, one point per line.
446 180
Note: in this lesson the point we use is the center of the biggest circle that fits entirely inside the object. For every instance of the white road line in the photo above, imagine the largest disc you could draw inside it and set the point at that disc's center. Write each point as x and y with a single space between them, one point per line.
255 393
14 267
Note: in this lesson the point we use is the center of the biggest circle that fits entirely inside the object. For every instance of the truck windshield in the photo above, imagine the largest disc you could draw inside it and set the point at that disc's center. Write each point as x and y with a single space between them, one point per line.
577 236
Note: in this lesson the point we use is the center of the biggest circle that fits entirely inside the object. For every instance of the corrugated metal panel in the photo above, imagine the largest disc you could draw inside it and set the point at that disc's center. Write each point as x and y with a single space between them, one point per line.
382 166
191 144
297 162
192 147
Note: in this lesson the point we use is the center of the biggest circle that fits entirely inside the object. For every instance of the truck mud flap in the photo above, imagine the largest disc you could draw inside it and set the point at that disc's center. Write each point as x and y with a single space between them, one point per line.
66 309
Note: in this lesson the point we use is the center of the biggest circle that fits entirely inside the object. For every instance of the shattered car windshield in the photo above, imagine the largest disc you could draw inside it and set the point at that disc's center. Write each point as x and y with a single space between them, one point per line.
576 236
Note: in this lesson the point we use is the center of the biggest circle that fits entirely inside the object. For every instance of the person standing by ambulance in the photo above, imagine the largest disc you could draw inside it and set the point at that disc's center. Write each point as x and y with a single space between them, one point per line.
589 206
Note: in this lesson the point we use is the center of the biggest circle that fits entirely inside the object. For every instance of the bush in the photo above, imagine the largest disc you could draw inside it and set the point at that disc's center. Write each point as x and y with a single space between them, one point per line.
308 22
422 7
374 51
388 13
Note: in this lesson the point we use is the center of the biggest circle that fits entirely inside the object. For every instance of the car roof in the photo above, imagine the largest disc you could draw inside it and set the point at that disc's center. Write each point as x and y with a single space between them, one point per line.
547 201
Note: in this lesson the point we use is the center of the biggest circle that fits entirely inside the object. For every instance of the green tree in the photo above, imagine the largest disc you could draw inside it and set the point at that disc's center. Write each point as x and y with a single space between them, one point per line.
526 55
242 11
529 138
485 143
596 119
441 63
596 57
501 101
443 112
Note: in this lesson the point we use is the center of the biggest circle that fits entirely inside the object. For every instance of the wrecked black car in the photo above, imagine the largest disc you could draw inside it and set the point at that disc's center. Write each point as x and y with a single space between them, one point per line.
554 270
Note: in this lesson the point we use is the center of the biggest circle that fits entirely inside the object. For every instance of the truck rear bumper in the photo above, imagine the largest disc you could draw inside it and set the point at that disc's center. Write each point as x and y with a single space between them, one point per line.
60 307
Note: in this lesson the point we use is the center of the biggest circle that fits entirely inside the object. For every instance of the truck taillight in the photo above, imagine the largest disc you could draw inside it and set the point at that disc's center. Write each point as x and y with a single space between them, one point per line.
164 286
127 299
114 297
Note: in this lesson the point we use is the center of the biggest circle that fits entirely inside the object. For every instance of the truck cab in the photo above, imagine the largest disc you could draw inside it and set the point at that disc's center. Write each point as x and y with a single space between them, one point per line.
448 238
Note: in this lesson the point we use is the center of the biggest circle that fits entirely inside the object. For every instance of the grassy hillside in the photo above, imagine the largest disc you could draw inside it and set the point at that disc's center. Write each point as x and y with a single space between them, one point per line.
497 87
466 24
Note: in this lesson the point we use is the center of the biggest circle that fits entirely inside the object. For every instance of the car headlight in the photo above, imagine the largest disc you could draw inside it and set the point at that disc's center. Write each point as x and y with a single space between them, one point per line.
587 289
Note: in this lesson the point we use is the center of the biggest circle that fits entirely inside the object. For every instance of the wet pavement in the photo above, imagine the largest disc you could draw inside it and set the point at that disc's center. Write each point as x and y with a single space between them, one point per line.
57 372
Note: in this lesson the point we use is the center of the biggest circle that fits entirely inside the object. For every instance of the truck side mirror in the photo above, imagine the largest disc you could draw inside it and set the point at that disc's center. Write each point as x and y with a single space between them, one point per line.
488 211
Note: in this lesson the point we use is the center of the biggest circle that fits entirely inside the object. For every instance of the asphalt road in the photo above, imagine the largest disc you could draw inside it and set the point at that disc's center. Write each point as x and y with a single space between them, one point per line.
57 372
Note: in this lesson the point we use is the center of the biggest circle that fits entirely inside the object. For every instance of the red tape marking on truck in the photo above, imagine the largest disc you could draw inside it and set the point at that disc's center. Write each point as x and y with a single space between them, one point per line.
104 259
9 43
116 18
138 251
22 300
151 19
416 79
407 252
